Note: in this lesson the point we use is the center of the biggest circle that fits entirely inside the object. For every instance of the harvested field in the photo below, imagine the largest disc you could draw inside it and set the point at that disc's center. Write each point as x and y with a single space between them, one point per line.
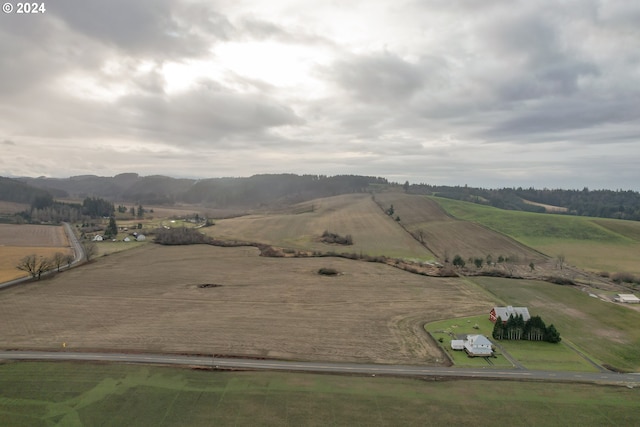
150 299
18 241
373 232
446 236
33 235
12 207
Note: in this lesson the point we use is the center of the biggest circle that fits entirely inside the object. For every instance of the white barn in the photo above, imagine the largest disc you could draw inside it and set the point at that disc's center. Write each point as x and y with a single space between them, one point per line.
627 298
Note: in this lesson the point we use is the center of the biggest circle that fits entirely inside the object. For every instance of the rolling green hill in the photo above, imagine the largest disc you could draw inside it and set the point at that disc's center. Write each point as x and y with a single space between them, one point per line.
591 243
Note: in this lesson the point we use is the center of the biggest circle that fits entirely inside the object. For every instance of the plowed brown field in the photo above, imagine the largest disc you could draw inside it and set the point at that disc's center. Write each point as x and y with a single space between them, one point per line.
18 241
446 236
148 299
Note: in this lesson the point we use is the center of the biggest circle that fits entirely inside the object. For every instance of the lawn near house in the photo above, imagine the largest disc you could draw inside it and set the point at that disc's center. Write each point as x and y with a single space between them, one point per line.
531 355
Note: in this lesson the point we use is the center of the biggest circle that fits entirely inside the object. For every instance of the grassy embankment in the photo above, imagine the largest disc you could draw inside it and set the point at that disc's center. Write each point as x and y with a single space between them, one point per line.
594 244
40 394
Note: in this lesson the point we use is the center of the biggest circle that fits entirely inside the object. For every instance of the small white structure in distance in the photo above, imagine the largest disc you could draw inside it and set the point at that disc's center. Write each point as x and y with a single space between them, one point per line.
141 238
627 298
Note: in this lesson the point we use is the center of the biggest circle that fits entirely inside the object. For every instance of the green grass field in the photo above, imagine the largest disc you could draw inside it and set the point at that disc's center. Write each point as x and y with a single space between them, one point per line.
606 331
67 394
592 243
532 355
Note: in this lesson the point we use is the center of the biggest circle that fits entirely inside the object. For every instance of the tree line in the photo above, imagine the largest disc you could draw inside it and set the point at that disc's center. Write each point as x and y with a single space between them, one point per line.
533 329
619 204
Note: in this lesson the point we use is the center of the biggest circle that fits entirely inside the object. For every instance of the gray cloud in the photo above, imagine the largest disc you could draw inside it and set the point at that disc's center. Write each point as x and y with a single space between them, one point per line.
517 93
382 77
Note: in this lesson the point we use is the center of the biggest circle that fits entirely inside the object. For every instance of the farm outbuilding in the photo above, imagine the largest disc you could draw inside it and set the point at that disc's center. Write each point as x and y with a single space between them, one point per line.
505 312
627 298
457 344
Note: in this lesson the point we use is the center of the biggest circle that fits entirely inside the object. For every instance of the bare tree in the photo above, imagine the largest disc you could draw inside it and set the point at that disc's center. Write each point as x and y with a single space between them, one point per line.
561 260
90 249
34 265
68 259
58 260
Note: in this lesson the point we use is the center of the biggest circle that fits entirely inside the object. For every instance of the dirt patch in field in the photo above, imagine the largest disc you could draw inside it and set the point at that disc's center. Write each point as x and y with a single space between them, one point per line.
268 307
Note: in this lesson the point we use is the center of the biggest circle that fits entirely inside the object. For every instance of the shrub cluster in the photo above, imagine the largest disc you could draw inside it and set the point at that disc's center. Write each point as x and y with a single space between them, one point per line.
625 278
328 237
181 236
328 271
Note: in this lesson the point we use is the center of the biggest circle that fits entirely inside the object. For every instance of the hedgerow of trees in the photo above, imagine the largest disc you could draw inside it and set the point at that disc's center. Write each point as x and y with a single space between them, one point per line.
516 328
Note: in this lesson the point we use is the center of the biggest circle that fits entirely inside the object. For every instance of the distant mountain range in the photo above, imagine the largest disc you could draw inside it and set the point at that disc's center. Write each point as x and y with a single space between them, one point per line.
282 189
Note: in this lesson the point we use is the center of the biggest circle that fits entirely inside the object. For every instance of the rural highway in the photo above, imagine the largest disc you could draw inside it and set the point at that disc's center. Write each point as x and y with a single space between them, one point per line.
629 380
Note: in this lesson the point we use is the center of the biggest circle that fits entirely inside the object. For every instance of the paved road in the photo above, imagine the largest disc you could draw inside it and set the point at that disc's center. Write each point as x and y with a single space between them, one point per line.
78 251
630 380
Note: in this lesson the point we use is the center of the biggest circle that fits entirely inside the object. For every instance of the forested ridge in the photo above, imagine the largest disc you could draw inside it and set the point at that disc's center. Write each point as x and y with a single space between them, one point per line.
620 204
283 189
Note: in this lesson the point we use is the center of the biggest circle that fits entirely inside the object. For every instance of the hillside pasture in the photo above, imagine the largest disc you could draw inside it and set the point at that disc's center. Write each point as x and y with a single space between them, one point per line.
18 241
373 232
151 299
446 236
594 244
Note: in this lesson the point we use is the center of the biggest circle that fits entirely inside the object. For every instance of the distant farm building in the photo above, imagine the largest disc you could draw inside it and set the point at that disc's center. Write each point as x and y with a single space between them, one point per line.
505 312
141 238
478 345
127 239
627 298
97 238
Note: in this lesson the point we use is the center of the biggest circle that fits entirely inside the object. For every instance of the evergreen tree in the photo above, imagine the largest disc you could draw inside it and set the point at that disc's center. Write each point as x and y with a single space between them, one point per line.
552 335
498 329
112 228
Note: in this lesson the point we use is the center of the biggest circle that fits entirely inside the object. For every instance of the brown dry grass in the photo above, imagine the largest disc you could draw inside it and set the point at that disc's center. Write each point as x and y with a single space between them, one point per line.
12 207
148 300
373 232
446 236
18 241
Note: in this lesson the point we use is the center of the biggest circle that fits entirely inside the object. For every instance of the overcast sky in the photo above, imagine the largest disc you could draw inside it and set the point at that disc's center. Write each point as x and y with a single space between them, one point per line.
491 93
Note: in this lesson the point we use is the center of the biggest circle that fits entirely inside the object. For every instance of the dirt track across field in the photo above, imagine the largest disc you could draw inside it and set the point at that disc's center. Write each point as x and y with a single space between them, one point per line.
150 299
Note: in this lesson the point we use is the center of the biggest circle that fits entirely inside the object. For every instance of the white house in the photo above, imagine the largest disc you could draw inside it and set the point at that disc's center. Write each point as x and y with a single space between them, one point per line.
141 238
627 298
478 345
97 238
